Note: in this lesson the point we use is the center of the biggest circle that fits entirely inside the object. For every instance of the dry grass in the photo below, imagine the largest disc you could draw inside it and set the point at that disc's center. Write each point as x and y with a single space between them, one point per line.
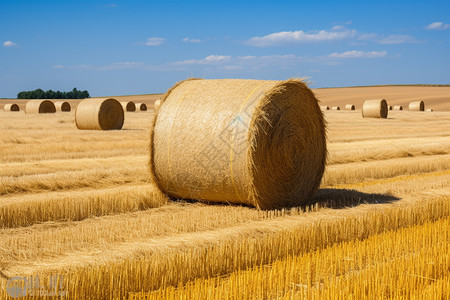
407 263
79 203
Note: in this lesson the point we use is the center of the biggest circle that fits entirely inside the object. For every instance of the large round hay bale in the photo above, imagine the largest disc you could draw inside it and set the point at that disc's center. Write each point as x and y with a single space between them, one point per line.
40 107
398 107
256 142
62 106
335 108
157 104
11 107
416 106
376 108
128 105
99 114
141 106
349 107
324 107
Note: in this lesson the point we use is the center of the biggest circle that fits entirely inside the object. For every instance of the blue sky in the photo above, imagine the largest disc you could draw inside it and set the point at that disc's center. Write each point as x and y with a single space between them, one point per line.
137 47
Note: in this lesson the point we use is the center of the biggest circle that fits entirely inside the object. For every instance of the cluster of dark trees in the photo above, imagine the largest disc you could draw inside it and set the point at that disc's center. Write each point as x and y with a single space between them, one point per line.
40 94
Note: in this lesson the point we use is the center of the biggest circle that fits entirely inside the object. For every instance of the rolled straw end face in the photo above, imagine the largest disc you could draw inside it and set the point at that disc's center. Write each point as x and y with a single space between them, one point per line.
416 106
376 108
99 114
40 107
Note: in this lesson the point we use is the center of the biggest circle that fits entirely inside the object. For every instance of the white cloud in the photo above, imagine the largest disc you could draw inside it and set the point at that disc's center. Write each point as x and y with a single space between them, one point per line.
358 54
437 26
300 36
127 65
9 44
398 39
189 40
58 66
155 41
211 59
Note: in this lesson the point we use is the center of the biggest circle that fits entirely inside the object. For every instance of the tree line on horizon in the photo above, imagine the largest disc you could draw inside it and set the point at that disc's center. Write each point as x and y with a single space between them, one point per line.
50 94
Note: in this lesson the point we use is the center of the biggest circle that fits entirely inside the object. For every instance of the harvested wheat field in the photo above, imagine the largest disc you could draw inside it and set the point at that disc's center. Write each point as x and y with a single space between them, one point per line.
78 212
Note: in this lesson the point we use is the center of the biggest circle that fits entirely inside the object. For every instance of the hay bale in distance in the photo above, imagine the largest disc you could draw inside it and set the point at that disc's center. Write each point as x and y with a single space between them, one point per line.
349 107
62 106
99 114
141 106
325 107
157 104
40 107
429 109
398 107
256 142
335 108
11 107
416 106
128 105
390 107
376 108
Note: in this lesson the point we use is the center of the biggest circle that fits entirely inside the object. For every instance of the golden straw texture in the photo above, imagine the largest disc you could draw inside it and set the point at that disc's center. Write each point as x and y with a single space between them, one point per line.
335 108
99 114
255 142
11 107
416 106
62 106
128 105
141 106
39 107
349 107
376 108
157 104
398 107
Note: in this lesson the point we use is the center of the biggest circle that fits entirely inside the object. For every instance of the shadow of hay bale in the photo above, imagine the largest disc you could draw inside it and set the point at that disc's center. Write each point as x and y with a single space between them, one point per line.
324 198
341 198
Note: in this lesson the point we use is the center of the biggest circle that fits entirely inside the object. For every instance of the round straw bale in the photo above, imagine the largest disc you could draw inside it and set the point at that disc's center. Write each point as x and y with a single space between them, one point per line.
429 109
390 107
349 107
324 107
416 106
11 107
398 107
157 104
128 105
40 107
376 108
62 106
335 108
141 106
99 114
255 142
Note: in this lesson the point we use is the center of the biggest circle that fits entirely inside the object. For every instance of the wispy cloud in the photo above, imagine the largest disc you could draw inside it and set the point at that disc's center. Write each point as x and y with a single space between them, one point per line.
398 39
211 59
190 40
9 44
58 67
437 26
358 54
112 5
154 41
228 63
300 36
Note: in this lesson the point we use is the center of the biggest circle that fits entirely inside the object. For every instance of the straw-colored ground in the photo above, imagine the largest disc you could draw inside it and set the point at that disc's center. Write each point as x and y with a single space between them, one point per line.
78 204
